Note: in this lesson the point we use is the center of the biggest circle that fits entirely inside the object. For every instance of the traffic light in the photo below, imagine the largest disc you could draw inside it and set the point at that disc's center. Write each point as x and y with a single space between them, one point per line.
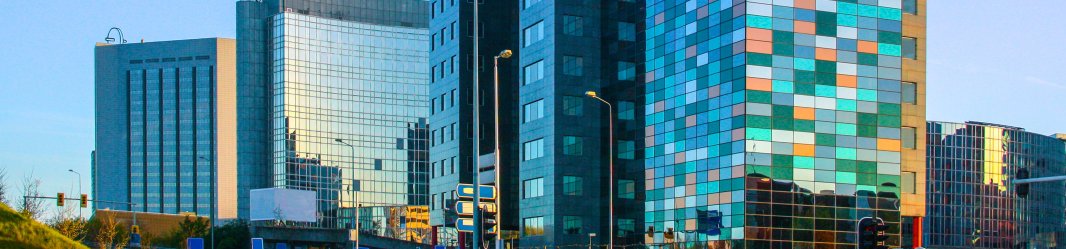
60 198
488 220
872 233
651 231
1022 188
135 229
669 234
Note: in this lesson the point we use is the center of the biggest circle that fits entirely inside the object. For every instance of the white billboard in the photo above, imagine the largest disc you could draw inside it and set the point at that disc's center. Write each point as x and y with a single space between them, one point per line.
283 205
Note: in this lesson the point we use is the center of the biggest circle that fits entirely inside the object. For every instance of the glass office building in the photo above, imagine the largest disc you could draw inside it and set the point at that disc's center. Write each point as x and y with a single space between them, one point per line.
312 72
165 127
971 201
776 124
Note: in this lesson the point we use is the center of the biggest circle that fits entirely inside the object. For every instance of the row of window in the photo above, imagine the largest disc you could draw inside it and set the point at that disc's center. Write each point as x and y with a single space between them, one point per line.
572 186
446 100
574 146
572 106
445 166
572 225
444 134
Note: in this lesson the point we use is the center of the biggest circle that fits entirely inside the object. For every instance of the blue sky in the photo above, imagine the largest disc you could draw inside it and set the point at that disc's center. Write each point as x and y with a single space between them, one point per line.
993 61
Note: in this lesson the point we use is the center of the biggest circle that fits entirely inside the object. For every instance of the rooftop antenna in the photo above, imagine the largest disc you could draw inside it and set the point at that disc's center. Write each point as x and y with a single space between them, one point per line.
110 39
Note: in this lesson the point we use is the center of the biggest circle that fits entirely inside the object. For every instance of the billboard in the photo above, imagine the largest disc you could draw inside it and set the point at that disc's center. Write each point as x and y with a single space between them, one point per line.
283 205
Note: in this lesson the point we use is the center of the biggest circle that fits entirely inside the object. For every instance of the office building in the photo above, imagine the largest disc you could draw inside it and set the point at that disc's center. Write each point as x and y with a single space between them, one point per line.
972 202
554 168
780 124
451 156
315 72
166 127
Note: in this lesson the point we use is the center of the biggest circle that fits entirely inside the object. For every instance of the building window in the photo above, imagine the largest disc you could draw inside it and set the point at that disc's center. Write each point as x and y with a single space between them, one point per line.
433 201
573 25
626 70
626 189
908 134
907 180
572 185
534 33
573 146
627 31
910 7
626 149
530 3
910 48
573 65
533 149
533 226
533 110
573 105
533 188
625 110
572 224
626 227
910 93
534 72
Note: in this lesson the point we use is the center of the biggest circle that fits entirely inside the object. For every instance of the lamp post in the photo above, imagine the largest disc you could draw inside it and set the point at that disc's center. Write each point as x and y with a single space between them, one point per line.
496 99
212 211
79 191
476 134
610 160
352 190
590 239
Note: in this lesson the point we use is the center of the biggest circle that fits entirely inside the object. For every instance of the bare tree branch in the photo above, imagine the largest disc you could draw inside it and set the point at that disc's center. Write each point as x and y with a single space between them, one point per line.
31 207
4 188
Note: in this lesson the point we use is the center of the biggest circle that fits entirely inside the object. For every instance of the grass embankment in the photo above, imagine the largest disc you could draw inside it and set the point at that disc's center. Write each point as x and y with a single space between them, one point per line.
17 231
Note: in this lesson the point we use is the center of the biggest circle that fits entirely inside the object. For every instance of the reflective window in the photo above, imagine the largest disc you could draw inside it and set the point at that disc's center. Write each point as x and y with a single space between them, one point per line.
906 182
910 93
534 33
573 146
573 65
907 134
533 188
533 149
626 70
534 72
626 227
573 25
625 110
572 185
534 110
572 225
573 105
626 189
530 3
626 149
910 48
910 7
533 226
627 31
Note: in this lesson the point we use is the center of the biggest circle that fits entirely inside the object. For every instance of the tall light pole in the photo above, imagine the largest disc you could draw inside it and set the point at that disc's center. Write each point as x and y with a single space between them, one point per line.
212 211
476 133
610 159
352 190
79 192
496 98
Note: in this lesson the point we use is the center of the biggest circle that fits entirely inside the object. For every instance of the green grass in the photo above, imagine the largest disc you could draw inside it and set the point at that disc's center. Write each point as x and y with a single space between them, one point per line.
17 231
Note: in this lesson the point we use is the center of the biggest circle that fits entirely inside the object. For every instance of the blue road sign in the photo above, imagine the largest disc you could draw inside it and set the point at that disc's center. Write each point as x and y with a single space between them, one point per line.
282 246
487 192
257 243
465 225
195 243
466 208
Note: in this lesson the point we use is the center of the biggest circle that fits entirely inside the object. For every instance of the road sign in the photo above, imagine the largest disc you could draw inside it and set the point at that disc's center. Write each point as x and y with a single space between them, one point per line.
487 192
466 208
465 225
257 243
195 243
135 240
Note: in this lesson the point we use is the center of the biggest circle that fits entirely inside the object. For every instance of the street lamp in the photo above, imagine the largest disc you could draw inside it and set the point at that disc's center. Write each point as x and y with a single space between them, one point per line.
79 191
590 239
610 158
212 211
352 190
506 53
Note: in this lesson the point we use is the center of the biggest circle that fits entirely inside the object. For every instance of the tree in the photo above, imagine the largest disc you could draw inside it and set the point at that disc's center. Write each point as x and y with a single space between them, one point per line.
105 232
233 235
4 188
31 207
188 228
67 224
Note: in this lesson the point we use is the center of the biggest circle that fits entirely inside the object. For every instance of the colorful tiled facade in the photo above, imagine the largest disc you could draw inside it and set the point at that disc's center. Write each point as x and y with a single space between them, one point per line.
783 117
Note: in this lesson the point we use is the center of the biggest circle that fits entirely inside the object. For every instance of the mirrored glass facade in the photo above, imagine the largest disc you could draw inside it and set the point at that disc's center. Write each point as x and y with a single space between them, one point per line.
971 202
318 71
779 120
165 127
